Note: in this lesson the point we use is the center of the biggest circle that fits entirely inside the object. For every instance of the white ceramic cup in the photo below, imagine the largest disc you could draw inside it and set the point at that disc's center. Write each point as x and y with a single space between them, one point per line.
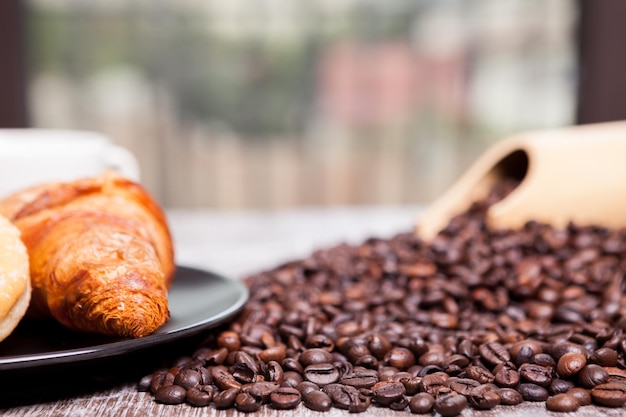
34 156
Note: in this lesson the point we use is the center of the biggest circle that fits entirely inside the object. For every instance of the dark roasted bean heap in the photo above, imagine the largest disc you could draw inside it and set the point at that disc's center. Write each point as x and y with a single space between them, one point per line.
475 318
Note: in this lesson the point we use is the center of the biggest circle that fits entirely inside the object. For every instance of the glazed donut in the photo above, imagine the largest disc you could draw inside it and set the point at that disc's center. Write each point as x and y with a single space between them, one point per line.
15 288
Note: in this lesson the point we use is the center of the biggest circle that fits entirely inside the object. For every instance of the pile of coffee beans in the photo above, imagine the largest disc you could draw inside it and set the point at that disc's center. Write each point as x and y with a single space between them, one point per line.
475 318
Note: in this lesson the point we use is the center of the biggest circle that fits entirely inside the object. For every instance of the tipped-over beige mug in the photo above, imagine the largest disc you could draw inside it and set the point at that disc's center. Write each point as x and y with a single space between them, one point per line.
573 174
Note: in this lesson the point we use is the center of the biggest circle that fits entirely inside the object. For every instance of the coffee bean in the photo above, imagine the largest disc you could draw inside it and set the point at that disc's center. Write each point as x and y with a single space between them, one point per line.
462 386
450 405
144 383
223 379
247 403
317 401
509 396
199 398
321 374
533 392
544 359
171 394
285 398
506 377
566 403
484 397
379 345
292 379
604 357
592 375
388 392
433 383
161 379
229 340
536 374
346 397
261 390
315 356
610 394
306 386
582 395
480 374
494 353
570 363
360 378
225 399
421 403
560 386
400 358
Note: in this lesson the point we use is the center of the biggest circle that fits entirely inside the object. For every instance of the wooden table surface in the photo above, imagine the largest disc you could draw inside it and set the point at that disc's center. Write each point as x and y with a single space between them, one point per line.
233 244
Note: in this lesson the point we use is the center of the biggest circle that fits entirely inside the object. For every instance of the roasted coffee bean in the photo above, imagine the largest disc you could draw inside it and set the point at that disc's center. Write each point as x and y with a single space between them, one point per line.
223 379
243 374
291 364
480 374
274 372
524 355
509 396
306 386
559 386
506 377
229 340
604 357
161 379
544 359
170 394
321 374
261 390
494 353
360 378
347 398
388 392
144 383
610 394
285 398
379 345
582 395
484 397
536 374
421 403
411 384
566 403
592 375
462 386
560 349
292 379
433 383
570 363
400 358
198 397
315 356
225 399
533 392
275 353
317 401
246 402
450 405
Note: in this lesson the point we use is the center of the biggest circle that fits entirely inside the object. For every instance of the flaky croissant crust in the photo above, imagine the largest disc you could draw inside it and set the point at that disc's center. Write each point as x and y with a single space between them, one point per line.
101 254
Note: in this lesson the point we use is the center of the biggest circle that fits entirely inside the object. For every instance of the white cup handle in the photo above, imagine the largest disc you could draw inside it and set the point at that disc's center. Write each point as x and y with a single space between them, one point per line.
122 160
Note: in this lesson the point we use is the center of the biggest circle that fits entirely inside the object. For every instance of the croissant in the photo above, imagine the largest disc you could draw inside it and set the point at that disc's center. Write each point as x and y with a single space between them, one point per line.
100 253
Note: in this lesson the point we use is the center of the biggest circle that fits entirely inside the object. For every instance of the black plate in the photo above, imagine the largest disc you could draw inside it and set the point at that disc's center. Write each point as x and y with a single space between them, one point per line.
198 300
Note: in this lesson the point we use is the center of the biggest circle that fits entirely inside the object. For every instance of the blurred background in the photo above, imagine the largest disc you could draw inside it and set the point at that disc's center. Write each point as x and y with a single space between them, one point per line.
272 104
